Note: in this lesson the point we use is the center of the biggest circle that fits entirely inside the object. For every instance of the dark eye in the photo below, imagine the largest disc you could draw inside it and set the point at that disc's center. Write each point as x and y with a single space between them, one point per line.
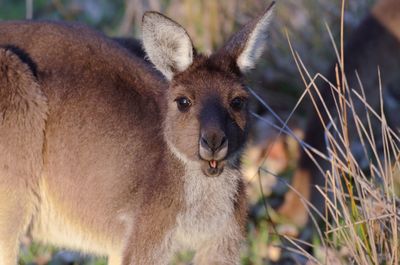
238 103
183 103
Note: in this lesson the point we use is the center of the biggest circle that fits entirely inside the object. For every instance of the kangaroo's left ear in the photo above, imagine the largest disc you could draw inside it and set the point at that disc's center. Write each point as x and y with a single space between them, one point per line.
167 44
248 44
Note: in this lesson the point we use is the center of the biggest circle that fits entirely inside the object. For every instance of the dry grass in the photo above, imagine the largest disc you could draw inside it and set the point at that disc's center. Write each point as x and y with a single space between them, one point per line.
361 218
362 213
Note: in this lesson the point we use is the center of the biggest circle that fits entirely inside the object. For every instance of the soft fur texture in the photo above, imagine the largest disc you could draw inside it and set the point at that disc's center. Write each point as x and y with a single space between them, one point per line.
167 44
388 15
256 42
96 156
253 35
23 112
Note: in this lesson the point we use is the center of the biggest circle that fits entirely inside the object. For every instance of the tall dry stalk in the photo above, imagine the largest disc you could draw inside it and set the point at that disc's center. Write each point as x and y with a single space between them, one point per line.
362 212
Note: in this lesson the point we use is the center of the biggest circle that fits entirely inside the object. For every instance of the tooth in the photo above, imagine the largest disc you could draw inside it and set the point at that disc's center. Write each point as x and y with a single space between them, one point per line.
213 163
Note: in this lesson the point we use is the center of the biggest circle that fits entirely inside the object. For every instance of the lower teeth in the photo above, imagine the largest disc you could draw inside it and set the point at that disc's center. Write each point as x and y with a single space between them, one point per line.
213 163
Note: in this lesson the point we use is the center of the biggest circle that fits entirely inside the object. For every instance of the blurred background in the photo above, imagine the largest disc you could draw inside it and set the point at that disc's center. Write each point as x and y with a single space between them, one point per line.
276 80
209 23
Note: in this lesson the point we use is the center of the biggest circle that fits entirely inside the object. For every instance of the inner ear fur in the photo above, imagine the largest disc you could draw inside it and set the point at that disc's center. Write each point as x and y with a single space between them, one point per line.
247 45
167 44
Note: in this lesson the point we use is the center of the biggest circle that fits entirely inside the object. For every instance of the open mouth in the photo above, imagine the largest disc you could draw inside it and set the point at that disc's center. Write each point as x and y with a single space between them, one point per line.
213 168
213 163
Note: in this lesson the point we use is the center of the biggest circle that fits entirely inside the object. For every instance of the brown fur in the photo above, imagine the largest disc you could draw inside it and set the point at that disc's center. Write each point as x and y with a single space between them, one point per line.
95 155
387 12
23 111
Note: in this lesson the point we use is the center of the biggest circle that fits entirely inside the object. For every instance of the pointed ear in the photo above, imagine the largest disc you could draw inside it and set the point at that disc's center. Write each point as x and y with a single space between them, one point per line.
248 44
167 44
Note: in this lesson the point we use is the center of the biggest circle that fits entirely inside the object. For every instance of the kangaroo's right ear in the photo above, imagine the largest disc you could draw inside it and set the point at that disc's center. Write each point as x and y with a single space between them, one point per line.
167 44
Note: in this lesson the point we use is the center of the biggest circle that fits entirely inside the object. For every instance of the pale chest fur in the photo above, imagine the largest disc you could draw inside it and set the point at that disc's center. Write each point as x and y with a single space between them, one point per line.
208 208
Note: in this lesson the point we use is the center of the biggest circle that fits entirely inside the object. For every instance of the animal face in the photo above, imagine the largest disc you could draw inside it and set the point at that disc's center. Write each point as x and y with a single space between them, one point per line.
206 114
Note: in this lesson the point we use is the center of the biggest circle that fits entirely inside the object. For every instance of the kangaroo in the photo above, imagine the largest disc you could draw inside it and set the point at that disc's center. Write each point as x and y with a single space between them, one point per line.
133 45
100 154
375 43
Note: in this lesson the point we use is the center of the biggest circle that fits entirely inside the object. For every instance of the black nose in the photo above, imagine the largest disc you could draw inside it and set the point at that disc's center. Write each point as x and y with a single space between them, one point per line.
213 141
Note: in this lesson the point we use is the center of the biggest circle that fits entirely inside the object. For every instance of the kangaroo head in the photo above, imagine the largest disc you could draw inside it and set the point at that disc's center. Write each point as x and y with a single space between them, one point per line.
206 119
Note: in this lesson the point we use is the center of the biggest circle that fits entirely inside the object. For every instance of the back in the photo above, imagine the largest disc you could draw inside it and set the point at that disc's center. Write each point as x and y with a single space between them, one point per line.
123 162
100 106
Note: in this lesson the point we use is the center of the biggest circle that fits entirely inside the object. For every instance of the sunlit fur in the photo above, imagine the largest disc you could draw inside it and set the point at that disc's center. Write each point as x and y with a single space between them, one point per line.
96 157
